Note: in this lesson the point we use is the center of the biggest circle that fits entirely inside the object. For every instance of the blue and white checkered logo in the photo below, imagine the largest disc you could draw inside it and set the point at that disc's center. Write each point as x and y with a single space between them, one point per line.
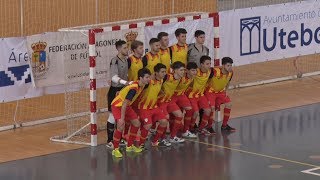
250 29
15 75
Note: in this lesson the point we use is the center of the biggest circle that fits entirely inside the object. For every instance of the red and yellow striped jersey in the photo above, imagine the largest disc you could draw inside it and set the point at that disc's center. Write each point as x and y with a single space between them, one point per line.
148 98
150 60
183 86
130 92
165 58
134 65
179 53
168 87
219 81
197 88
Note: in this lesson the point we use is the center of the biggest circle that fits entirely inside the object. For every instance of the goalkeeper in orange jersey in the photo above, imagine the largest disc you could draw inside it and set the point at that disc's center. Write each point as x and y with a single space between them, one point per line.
148 110
123 112
195 93
170 83
216 92
182 100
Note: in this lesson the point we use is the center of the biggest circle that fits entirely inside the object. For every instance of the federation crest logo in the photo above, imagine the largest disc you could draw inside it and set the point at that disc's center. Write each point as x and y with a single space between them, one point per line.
130 37
250 29
39 60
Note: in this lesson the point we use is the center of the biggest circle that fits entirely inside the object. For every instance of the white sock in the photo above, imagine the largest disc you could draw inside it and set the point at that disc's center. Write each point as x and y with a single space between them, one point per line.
111 118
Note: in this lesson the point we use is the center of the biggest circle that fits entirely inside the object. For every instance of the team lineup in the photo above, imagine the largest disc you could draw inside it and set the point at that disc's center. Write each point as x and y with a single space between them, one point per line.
169 87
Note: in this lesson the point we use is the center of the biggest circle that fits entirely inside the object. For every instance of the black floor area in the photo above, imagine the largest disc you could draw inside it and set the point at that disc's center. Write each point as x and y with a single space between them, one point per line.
276 145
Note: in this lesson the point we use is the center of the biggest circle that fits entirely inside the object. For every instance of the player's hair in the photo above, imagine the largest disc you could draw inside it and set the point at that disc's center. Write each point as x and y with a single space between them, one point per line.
177 65
119 43
158 67
153 40
143 72
204 58
226 60
136 44
162 34
192 65
180 31
199 33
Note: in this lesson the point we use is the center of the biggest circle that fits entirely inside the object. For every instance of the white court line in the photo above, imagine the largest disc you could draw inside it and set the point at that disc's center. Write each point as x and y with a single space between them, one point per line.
309 171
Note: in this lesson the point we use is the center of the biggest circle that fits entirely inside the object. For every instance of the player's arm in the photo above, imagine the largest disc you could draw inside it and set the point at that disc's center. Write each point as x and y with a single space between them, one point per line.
164 80
211 73
126 102
114 73
207 51
145 61
188 53
227 86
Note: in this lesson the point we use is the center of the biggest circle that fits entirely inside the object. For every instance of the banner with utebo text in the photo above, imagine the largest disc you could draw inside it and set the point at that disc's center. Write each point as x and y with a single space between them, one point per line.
272 32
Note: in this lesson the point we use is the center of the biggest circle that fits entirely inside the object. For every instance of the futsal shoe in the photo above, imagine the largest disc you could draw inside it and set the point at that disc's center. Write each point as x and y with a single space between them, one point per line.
109 145
211 131
176 140
116 153
188 134
227 128
133 149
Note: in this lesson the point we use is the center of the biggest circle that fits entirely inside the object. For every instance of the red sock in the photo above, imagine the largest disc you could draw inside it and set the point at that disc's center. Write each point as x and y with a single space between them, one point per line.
116 138
160 131
211 120
132 135
204 121
144 135
193 123
226 116
187 120
176 126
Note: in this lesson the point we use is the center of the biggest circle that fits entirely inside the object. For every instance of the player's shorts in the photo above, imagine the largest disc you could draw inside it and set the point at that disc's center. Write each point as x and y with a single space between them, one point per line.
130 113
168 107
150 116
182 101
199 103
216 99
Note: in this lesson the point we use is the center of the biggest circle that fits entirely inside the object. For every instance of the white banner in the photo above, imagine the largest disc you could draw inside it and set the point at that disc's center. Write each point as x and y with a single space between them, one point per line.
15 77
205 25
63 57
270 32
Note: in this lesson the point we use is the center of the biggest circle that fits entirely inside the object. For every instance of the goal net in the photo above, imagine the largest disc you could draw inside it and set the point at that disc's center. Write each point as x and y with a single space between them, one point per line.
83 120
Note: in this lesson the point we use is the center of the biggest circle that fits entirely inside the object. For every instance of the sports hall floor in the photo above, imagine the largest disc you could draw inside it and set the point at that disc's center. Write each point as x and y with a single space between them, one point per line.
277 138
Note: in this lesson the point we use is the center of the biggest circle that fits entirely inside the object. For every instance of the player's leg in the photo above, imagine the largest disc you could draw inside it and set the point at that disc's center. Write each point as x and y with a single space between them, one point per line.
203 104
195 110
111 121
160 131
118 131
212 102
134 127
164 109
184 103
177 122
146 123
224 99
